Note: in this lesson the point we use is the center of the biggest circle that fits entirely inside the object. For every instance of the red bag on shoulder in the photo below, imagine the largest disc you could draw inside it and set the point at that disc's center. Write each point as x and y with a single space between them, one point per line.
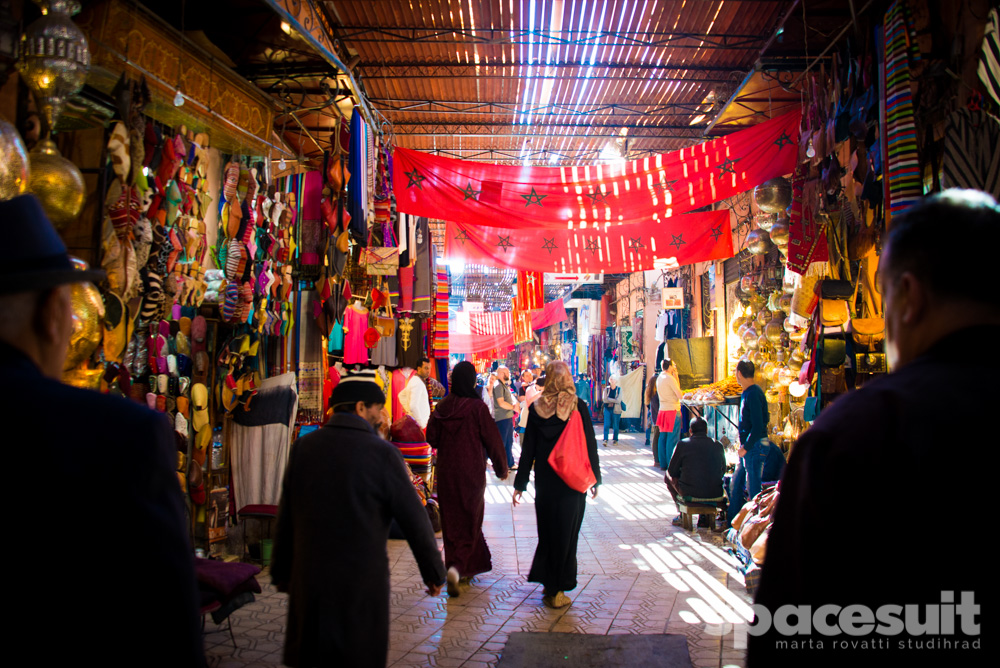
570 459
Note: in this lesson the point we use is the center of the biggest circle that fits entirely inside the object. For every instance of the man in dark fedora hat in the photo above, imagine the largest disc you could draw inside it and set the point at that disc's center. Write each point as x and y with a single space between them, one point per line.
343 486
101 521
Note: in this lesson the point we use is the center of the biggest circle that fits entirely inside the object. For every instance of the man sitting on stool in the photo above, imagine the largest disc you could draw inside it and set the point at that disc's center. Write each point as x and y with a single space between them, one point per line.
696 469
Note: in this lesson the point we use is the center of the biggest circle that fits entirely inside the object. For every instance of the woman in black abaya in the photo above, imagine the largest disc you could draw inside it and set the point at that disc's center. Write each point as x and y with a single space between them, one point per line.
464 434
558 508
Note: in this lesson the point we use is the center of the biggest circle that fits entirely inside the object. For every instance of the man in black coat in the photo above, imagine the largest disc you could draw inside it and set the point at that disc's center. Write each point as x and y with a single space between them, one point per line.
909 449
343 486
105 570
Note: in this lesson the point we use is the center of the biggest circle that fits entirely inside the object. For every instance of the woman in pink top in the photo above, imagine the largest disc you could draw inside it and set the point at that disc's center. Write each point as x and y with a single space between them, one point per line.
668 389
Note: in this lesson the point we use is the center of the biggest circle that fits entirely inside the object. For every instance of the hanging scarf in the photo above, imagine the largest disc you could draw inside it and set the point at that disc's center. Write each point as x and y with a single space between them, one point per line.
559 396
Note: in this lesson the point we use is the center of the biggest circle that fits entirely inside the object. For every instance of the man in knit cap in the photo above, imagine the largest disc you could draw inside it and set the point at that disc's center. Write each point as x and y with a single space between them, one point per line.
343 487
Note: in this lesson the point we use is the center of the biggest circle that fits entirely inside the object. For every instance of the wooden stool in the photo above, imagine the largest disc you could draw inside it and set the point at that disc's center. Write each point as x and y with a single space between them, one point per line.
689 509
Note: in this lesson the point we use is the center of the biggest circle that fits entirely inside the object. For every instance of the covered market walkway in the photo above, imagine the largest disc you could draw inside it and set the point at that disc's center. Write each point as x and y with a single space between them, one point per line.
638 574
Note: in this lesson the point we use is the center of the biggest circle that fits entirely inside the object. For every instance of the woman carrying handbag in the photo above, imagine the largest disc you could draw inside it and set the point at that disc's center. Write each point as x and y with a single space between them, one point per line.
559 444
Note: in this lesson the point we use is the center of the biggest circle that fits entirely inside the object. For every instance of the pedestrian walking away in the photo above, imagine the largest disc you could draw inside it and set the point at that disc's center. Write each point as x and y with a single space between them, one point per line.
343 486
462 432
559 508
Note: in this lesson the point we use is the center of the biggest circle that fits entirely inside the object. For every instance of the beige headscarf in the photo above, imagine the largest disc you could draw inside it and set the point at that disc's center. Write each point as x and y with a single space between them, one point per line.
559 396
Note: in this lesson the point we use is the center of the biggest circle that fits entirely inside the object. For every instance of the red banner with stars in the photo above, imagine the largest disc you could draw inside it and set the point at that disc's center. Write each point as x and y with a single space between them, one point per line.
685 239
621 193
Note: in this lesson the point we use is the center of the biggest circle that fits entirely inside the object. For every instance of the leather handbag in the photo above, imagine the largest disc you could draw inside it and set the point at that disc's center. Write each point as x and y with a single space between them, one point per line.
834 312
834 289
833 352
382 260
867 333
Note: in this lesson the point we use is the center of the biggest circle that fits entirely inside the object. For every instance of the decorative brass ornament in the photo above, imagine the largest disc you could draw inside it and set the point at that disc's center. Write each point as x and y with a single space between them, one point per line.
796 361
785 302
14 162
794 333
737 323
774 195
758 242
55 57
786 376
57 183
764 221
779 231
775 328
88 313
763 317
750 337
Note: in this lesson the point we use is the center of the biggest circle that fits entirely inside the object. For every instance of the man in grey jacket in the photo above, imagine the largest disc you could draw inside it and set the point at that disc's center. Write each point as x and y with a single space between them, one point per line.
343 487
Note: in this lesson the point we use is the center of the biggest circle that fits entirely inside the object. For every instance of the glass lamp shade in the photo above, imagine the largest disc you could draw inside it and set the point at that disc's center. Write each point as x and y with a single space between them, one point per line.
14 164
57 183
750 337
55 57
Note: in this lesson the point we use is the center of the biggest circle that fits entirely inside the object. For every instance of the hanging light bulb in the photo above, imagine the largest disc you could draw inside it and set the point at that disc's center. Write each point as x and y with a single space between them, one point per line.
178 98
282 164
810 149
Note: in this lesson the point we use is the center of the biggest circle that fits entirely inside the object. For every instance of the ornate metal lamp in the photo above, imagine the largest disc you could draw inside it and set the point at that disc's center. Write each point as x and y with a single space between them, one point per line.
55 59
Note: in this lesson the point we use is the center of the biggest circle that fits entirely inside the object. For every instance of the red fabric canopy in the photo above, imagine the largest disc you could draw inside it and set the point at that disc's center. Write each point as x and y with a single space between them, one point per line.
633 192
692 237
496 329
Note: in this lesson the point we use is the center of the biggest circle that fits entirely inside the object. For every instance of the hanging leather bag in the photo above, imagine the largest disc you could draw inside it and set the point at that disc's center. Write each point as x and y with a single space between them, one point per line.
868 333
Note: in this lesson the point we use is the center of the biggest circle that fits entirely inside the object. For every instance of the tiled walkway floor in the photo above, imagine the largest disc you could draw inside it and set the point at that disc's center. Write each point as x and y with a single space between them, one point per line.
637 574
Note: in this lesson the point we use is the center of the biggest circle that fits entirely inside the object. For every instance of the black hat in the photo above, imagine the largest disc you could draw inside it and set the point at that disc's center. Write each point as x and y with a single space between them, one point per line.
357 387
33 257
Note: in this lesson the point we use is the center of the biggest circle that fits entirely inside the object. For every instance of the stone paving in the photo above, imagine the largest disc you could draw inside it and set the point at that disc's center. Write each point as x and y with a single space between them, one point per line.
637 574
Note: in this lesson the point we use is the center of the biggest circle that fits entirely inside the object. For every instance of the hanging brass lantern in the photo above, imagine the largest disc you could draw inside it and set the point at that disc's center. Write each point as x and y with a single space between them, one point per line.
764 221
758 242
785 302
773 195
737 323
747 285
775 328
55 57
750 337
796 360
14 164
57 183
779 231
786 376
757 358
88 311
763 317
763 345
